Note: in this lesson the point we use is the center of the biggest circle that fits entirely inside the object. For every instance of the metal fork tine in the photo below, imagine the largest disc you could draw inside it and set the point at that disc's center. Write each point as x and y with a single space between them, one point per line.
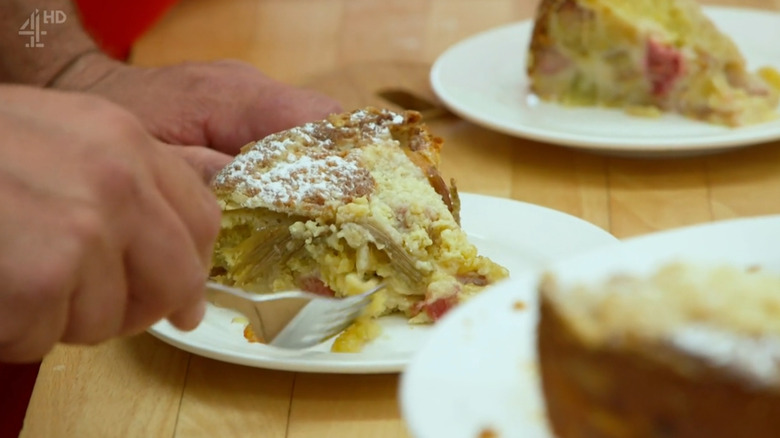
293 319
301 332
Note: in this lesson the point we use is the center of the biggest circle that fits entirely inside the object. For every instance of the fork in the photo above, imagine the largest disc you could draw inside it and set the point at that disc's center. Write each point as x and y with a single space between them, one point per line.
291 319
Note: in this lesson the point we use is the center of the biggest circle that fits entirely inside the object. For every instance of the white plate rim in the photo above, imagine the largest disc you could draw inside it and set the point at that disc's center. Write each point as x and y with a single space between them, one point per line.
718 139
640 254
267 357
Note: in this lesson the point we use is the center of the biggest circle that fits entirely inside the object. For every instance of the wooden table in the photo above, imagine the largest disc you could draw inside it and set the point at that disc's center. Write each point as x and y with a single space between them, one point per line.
141 387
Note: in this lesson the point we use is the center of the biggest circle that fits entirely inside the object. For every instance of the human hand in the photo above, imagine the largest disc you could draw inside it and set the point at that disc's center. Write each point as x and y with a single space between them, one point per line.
223 104
103 230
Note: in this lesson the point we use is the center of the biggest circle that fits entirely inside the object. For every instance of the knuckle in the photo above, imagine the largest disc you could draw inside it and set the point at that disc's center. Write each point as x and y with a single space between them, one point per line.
214 77
90 105
86 228
116 179
195 71
106 115
49 284
114 127
122 125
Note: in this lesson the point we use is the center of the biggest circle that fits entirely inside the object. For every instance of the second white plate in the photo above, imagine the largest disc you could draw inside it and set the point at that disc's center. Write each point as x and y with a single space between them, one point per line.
478 370
517 235
483 80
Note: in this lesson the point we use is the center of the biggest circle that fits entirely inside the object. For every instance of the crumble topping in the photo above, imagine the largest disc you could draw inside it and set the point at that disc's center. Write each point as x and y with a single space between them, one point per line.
305 166
727 316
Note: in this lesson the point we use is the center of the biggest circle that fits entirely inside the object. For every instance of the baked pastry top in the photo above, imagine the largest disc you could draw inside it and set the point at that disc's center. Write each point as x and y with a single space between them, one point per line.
688 351
646 56
337 206
720 315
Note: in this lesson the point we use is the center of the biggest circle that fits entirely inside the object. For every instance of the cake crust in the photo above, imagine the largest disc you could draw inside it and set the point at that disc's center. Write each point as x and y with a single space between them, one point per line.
606 393
690 351
313 169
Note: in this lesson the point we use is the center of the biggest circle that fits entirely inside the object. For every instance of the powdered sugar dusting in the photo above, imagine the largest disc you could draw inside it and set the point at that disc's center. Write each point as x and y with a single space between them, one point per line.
757 358
361 116
307 180
309 165
292 179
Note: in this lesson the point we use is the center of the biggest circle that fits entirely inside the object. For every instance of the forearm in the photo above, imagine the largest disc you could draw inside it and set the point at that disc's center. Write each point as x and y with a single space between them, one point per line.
38 51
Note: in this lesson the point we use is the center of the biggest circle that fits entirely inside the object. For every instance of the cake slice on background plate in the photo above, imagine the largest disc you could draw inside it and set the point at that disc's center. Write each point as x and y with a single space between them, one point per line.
647 57
338 206
690 351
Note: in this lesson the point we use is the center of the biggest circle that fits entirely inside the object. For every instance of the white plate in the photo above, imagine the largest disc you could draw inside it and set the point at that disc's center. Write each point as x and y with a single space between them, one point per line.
515 234
478 371
483 80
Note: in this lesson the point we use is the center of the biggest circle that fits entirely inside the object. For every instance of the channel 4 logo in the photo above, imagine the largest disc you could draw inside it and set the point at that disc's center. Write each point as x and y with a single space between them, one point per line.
33 26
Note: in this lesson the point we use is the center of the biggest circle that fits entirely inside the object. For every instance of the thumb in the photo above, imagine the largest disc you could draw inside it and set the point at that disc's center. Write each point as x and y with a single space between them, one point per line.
206 162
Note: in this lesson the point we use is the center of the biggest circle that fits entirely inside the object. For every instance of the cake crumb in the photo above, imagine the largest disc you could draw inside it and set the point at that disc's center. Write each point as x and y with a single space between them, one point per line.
519 305
251 336
488 433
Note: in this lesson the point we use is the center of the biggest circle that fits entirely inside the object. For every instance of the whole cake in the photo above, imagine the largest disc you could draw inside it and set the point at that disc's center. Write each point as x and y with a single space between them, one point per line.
690 351
338 206
646 56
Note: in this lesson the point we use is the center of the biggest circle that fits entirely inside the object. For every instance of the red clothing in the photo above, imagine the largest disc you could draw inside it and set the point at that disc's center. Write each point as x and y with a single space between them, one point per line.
16 385
117 24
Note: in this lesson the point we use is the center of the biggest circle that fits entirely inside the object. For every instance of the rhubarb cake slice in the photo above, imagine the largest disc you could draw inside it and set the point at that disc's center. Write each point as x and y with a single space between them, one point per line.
337 206
687 351
648 57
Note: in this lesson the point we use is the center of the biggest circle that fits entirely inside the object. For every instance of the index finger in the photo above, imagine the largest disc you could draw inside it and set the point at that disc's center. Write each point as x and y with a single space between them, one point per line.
190 197
204 161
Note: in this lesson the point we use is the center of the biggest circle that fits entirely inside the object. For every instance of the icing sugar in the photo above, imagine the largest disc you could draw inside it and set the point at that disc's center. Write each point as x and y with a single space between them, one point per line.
294 179
728 316
757 358
304 166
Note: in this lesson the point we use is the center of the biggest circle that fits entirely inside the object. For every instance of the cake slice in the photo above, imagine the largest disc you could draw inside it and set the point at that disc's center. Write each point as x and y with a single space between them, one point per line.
690 351
646 56
337 206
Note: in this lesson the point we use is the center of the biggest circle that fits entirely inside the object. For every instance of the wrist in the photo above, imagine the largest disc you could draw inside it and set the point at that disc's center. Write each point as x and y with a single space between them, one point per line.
84 70
41 59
